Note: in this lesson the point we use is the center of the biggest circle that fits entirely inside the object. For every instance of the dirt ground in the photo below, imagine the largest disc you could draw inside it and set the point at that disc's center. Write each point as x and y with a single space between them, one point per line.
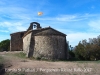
39 67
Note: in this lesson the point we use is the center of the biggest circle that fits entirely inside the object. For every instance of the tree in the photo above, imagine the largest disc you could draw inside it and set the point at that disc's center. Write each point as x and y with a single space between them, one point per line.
79 51
88 50
5 45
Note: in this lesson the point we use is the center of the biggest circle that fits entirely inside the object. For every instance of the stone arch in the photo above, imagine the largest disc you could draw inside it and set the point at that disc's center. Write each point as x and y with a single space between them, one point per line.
35 25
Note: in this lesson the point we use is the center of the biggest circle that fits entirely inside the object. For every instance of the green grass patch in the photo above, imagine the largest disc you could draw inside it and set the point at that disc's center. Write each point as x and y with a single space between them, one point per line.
20 55
1 60
12 73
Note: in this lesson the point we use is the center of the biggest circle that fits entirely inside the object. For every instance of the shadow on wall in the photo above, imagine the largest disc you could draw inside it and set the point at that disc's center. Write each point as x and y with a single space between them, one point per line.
31 50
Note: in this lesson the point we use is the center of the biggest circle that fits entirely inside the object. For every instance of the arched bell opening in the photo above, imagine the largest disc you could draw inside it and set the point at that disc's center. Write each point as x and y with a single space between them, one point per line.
34 25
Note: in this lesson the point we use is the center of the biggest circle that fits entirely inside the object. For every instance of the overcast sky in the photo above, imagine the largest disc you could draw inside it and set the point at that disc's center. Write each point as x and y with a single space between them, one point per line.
78 19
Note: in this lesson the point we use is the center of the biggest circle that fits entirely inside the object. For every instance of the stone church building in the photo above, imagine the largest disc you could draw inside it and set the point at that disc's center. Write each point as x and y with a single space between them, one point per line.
38 42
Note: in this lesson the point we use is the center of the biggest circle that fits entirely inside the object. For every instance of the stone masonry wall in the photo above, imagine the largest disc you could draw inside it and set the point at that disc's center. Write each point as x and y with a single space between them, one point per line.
26 43
16 43
50 47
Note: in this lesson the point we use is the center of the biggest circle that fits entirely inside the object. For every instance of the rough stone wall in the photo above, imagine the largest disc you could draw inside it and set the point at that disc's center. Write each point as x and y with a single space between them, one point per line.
50 47
26 43
16 43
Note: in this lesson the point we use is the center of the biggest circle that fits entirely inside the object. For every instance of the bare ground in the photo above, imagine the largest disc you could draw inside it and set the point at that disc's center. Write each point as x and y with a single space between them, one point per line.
36 67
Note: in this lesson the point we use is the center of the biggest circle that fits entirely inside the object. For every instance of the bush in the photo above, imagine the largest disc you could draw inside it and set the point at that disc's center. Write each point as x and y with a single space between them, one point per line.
5 45
38 58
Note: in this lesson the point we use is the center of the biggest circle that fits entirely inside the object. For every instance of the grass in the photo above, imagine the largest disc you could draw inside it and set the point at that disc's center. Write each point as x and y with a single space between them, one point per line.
25 73
20 55
1 60
88 61
77 61
2 65
75 64
12 73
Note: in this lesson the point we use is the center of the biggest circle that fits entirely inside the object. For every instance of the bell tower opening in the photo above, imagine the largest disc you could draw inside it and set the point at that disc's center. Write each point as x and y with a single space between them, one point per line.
34 25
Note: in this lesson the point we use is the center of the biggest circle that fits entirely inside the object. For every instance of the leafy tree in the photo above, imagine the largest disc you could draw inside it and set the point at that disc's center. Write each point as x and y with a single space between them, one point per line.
71 53
88 50
5 45
79 51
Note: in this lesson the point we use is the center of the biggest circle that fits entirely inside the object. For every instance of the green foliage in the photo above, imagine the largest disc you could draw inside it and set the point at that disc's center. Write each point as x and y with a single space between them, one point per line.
5 45
88 50
72 55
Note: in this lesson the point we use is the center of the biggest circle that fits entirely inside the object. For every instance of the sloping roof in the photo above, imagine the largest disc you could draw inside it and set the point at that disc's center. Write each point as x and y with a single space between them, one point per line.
49 31
45 31
18 32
